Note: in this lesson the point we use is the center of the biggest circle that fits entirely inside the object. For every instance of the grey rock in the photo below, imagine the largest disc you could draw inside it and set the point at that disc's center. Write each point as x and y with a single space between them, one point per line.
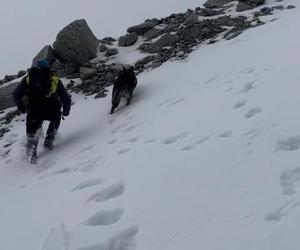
233 35
166 40
266 11
210 12
76 43
101 94
71 68
6 100
291 7
58 68
249 4
216 3
128 39
46 53
156 64
278 7
111 52
3 131
142 28
87 73
22 73
153 33
191 19
108 39
8 78
116 69
243 6
57 65
86 70
102 48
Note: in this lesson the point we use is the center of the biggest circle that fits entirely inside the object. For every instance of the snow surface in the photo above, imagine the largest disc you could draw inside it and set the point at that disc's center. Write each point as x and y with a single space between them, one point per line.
205 157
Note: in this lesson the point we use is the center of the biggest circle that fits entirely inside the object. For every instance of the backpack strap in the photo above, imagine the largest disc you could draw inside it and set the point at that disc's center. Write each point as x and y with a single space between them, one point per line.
54 84
27 79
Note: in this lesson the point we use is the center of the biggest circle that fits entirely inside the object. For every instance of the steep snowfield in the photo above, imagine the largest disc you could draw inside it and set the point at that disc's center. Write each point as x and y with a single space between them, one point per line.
206 157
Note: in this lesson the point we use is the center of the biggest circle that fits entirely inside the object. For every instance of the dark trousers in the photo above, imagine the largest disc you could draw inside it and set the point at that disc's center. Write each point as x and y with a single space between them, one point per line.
33 123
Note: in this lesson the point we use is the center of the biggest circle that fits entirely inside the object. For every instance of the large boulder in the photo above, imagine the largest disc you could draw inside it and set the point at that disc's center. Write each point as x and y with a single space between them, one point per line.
216 3
111 52
46 53
243 6
76 43
249 4
165 41
142 28
6 93
128 39
192 19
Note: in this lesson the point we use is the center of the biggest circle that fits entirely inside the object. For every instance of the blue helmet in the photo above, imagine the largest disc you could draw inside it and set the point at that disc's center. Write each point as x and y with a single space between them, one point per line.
43 64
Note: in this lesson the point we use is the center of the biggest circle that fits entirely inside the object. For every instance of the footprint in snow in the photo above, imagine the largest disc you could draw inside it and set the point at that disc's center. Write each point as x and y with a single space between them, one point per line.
112 141
210 80
250 71
108 193
291 143
111 121
166 102
118 128
192 146
288 179
87 184
129 118
7 144
249 86
105 218
133 139
13 135
267 69
8 161
229 81
254 133
130 128
204 139
252 112
62 171
150 141
188 147
88 165
239 104
174 139
124 240
225 134
177 101
283 211
84 150
123 151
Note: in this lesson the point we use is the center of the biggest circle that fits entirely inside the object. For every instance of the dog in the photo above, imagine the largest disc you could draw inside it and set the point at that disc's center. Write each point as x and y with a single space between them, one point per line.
123 87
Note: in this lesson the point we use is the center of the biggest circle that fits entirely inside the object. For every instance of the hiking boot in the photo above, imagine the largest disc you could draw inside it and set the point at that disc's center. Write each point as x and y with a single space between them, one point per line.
31 149
48 143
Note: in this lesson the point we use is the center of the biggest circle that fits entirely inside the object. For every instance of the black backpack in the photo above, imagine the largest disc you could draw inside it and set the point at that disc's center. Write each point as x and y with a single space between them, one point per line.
39 84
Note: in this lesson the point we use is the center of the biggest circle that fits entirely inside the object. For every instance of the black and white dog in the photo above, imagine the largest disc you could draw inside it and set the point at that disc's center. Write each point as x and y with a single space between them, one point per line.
123 87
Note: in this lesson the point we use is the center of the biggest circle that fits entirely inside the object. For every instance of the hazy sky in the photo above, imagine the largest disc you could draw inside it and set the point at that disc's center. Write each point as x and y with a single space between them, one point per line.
26 26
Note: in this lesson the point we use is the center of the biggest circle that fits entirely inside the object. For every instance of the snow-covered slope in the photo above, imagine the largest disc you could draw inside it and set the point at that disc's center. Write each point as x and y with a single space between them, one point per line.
206 157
